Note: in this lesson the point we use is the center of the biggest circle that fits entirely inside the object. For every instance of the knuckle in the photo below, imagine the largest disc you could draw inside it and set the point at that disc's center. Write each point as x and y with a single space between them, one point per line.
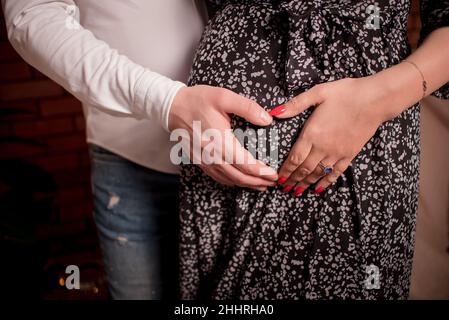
289 169
301 173
318 171
340 169
222 96
311 179
308 180
240 181
295 177
312 131
339 153
319 90
250 106
305 171
295 160
301 100
337 173
294 103
338 150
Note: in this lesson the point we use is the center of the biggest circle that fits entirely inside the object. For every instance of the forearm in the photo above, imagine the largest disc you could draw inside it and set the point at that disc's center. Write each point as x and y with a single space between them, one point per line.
84 65
401 86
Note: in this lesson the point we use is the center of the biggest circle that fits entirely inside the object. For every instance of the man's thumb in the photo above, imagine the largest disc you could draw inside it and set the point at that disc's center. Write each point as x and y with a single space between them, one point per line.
249 110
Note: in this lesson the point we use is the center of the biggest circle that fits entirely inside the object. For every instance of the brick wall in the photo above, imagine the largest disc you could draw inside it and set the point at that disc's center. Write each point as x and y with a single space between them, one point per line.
43 125
52 117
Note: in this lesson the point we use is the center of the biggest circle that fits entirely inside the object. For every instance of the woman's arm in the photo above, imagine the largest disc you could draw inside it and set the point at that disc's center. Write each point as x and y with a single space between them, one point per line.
402 86
349 112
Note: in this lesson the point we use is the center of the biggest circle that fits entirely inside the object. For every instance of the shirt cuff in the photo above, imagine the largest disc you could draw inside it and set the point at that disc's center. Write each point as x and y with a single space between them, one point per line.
154 95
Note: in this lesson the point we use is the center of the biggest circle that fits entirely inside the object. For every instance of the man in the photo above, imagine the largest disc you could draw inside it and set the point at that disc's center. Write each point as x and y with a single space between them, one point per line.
127 61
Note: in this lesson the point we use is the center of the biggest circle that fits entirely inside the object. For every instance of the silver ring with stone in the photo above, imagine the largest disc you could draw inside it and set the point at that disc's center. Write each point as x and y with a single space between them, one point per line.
326 169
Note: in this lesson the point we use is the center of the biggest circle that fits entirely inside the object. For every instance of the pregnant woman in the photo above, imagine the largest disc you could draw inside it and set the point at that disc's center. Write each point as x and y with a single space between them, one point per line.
339 79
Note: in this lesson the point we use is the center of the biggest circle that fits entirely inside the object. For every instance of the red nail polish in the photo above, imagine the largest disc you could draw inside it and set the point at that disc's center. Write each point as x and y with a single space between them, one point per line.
287 189
319 190
278 111
282 180
298 191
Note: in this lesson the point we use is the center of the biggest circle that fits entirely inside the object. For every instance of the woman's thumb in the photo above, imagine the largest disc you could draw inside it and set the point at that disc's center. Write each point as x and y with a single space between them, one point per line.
298 104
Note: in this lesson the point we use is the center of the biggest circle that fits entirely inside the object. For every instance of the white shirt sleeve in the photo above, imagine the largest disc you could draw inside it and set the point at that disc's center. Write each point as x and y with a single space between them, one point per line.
45 35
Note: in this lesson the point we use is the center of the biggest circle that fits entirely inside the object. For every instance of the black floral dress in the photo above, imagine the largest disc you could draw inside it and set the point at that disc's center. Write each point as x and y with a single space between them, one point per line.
356 240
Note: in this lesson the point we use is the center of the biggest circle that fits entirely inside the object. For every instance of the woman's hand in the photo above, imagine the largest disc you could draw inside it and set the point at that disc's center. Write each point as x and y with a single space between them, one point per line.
347 114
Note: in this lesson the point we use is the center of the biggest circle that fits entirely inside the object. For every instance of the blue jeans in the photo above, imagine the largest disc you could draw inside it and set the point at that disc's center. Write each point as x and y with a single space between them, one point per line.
136 213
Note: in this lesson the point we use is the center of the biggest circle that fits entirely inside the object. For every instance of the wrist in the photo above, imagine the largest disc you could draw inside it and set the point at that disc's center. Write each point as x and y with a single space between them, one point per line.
398 88
176 108
387 95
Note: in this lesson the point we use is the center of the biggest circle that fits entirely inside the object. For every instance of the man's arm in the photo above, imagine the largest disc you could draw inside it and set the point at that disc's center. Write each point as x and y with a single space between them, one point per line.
42 33
40 30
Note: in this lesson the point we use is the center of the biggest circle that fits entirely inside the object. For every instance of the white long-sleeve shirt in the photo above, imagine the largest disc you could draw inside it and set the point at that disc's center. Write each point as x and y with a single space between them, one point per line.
125 61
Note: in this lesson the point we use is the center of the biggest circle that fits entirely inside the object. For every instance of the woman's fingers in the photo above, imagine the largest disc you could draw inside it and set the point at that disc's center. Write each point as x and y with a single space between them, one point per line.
299 189
299 103
298 154
306 169
339 168
318 173
305 176
315 176
297 183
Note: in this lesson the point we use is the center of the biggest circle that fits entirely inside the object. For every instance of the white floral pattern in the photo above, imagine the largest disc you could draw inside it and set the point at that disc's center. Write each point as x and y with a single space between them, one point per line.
239 243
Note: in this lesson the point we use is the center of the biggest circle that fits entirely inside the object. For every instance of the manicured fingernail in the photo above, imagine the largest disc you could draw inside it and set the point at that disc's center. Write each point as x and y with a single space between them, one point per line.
319 190
278 111
298 191
287 189
282 180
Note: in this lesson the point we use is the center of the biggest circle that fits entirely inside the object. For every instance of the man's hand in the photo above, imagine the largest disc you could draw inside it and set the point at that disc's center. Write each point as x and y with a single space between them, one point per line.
212 107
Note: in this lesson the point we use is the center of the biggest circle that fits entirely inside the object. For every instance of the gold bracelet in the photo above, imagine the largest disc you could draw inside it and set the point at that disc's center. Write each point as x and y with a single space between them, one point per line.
424 82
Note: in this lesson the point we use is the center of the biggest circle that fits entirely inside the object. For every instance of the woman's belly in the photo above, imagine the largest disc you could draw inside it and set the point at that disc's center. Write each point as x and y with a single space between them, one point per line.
243 50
